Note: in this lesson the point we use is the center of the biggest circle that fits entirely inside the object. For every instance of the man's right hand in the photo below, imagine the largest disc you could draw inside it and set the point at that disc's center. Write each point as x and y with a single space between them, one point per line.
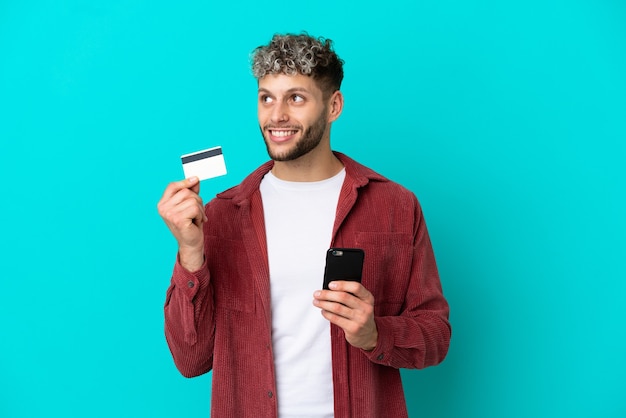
183 212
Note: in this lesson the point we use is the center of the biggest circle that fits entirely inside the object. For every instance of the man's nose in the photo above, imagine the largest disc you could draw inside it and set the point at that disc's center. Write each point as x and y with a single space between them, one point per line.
279 113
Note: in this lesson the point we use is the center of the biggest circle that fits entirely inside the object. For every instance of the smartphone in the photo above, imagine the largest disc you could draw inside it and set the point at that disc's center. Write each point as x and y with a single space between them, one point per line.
343 264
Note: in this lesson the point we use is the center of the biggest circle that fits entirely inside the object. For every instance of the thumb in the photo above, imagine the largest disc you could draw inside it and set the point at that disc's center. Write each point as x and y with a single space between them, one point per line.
193 184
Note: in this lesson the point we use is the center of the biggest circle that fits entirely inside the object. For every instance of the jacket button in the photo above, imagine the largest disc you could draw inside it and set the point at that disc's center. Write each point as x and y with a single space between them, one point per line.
190 284
380 357
270 394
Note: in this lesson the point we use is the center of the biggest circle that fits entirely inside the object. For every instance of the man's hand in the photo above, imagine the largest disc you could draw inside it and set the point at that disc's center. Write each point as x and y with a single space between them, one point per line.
183 212
350 306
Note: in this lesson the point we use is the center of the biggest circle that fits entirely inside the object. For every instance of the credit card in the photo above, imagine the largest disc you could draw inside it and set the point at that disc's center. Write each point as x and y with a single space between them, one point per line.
204 164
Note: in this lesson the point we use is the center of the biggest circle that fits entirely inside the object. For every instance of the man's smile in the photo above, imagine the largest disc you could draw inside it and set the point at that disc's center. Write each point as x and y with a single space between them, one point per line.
282 133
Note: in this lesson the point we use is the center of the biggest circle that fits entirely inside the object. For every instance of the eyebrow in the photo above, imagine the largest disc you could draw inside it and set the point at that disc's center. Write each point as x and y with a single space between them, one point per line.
291 90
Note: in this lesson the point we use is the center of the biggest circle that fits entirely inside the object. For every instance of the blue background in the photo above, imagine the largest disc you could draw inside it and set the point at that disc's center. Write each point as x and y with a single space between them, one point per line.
507 119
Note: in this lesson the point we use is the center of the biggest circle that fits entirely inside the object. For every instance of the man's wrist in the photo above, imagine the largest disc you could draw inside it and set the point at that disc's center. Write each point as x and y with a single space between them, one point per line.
191 259
374 343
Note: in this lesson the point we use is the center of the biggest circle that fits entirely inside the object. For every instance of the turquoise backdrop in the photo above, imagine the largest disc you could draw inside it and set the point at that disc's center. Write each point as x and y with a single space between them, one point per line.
506 118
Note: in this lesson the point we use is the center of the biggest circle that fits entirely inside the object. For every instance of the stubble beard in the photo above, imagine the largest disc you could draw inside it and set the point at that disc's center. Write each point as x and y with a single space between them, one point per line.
309 141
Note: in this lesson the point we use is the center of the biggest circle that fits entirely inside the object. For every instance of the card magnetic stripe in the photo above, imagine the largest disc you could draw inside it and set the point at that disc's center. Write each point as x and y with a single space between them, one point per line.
201 155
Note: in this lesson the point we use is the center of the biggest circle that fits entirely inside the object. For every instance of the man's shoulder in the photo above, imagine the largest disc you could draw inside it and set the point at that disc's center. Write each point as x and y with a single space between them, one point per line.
389 191
364 175
358 171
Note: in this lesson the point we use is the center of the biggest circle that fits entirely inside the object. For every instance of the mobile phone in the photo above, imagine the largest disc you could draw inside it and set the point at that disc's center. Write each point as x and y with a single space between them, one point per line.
343 264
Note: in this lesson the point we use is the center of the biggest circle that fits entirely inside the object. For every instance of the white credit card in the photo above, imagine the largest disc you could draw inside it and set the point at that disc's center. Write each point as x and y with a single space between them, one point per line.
204 164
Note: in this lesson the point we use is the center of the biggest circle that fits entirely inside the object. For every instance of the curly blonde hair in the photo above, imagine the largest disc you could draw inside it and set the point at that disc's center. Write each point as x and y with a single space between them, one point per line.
300 54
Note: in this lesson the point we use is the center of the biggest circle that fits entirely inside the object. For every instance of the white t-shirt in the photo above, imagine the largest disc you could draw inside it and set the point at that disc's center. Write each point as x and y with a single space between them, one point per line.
299 218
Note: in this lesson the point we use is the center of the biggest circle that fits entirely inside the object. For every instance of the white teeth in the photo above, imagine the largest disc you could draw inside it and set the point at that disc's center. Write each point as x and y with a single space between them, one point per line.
282 133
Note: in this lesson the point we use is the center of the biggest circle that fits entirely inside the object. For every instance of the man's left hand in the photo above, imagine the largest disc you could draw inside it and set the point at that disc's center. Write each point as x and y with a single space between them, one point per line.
350 306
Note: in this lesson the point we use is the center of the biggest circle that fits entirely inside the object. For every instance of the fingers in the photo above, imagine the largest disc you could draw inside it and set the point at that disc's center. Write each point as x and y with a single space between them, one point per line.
351 307
185 211
347 299
182 210
191 183
179 193
354 288
182 197
183 214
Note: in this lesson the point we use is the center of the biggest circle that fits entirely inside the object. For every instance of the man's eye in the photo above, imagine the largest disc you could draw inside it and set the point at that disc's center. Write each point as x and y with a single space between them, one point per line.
266 99
298 99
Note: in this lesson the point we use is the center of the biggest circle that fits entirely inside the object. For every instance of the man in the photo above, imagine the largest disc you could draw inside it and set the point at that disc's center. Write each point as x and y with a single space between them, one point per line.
251 260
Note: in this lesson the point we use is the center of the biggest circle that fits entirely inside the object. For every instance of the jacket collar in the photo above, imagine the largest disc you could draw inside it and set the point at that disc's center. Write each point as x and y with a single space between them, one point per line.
358 173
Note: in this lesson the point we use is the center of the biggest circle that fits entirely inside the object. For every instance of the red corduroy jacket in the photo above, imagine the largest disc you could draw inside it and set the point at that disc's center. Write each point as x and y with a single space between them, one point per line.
219 317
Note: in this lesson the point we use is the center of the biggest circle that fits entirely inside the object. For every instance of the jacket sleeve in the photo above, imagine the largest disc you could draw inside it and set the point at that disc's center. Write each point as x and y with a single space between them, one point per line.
420 335
189 320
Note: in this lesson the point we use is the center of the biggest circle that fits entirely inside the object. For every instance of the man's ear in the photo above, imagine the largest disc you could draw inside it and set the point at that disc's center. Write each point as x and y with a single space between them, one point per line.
335 106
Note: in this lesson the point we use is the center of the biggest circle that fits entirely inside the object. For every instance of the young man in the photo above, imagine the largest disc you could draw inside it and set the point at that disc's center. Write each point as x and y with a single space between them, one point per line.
245 298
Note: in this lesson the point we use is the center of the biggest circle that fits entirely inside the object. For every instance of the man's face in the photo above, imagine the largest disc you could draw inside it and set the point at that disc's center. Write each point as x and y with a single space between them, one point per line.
293 115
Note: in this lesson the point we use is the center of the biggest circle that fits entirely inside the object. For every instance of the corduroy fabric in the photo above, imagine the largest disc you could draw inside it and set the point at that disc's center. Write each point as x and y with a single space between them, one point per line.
219 317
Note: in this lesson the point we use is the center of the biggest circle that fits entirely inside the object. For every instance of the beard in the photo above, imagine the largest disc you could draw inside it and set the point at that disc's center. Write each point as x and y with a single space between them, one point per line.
310 139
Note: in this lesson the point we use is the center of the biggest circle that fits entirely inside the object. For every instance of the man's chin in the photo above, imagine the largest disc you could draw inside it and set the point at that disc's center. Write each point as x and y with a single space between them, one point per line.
282 157
277 154
290 155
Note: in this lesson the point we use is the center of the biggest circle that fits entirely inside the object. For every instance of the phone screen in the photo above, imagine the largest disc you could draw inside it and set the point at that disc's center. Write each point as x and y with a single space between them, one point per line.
343 264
